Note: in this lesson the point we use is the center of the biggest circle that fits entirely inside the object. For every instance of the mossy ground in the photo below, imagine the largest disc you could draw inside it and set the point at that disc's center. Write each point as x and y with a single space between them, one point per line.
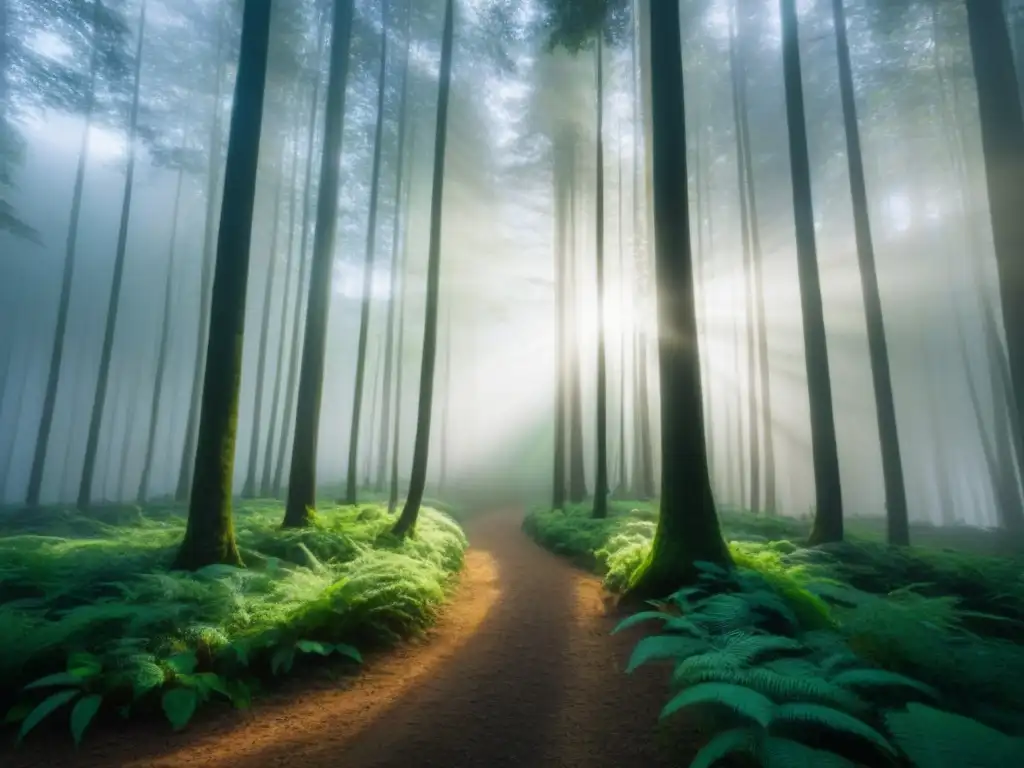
97 585
945 616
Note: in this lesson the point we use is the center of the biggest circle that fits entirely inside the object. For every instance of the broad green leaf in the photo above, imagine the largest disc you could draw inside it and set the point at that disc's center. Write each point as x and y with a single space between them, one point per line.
84 711
179 704
312 646
59 678
50 704
182 663
348 650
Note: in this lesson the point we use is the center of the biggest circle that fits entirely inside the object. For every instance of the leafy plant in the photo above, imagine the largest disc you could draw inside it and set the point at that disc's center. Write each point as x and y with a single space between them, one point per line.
80 683
89 597
800 698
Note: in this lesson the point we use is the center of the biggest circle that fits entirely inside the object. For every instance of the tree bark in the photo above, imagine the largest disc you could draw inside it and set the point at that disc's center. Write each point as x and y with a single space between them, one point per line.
209 533
688 529
417 481
828 518
302 481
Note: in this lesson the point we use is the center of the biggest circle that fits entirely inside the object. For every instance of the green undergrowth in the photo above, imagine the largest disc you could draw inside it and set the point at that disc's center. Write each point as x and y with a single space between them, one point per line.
947 621
759 683
92 621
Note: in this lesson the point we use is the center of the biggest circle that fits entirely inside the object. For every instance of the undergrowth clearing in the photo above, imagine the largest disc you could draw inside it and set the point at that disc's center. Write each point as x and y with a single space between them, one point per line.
856 653
93 621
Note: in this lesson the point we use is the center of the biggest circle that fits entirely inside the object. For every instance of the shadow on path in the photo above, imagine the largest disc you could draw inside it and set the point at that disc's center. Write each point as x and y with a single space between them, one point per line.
520 671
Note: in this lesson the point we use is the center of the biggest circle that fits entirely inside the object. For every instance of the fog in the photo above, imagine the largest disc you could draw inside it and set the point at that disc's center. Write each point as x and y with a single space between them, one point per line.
493 424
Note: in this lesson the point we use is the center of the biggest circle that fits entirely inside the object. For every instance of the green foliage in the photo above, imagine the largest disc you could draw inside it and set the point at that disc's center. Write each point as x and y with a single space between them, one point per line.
91 617
781 693
859 628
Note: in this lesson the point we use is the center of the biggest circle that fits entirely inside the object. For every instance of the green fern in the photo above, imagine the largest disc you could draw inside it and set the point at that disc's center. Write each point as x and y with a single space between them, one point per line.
932 738
742 702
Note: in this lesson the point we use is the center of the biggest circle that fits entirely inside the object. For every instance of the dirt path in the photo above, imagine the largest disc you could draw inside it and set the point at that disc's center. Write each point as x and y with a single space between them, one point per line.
520 671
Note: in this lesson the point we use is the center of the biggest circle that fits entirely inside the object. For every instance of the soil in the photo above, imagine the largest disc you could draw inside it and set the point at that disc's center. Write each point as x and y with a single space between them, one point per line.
520 670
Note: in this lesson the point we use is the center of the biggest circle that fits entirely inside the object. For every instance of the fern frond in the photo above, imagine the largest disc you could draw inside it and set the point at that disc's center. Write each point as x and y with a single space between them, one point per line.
867 679
802 716
778 752
657 647
744 702
725 743
932 738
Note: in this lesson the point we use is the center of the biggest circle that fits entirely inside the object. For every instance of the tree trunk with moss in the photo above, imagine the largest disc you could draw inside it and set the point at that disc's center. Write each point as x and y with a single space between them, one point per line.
209 534
302 478
688 529
421 446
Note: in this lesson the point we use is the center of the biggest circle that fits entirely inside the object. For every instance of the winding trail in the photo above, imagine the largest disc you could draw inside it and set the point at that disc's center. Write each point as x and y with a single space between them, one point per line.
519 671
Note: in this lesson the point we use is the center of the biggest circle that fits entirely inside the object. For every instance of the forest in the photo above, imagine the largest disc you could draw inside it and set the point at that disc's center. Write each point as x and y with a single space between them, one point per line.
512 383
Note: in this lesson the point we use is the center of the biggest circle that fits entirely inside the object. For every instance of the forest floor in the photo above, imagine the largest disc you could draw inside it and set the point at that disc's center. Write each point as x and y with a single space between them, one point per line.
520 670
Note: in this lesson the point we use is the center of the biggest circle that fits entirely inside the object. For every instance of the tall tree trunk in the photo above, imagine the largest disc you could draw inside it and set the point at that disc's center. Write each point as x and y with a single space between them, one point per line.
400 347
898 521
601 475
121 489
163 348
252 465
302 479
374 392
209 533
305 261
757 270
688 529
746 290
446 399
35 482
389 338
577 472
96 418
417 481
622 480
1002 468
1002 141
561 322
828 517
19 397
188 448
352 483
266 479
